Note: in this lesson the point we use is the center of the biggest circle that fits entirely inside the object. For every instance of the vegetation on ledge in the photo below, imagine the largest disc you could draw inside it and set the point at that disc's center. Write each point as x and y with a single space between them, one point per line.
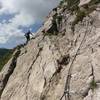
93 85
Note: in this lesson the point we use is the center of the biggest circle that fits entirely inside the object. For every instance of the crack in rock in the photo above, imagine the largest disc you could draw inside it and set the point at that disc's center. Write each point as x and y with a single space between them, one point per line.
29 71
53 81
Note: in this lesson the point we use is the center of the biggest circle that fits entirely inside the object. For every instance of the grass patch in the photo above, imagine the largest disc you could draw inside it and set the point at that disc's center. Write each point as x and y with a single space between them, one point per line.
61 2
71 4
88 8
59 19
93 85
94 2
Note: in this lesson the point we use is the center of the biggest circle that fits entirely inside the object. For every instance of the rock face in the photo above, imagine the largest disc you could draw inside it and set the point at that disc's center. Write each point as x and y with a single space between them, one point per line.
61 65
83 2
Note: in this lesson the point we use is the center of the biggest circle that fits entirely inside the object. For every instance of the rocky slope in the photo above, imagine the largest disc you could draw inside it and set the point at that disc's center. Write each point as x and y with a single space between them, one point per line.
62 61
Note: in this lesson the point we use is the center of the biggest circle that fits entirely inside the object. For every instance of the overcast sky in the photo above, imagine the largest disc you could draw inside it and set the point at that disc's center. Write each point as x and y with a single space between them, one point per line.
17 16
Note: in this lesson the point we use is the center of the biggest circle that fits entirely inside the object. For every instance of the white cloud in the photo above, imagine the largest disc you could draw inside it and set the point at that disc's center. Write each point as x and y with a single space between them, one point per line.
2 39
36 8
27 12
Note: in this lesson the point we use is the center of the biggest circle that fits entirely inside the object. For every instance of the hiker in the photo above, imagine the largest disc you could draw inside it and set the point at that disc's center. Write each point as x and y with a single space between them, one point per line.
27 35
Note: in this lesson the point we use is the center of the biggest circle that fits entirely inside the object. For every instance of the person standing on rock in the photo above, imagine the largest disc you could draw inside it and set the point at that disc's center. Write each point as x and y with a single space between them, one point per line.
27 35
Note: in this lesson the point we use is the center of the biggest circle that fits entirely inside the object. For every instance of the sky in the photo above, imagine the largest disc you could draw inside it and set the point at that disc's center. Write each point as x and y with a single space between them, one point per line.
18 16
